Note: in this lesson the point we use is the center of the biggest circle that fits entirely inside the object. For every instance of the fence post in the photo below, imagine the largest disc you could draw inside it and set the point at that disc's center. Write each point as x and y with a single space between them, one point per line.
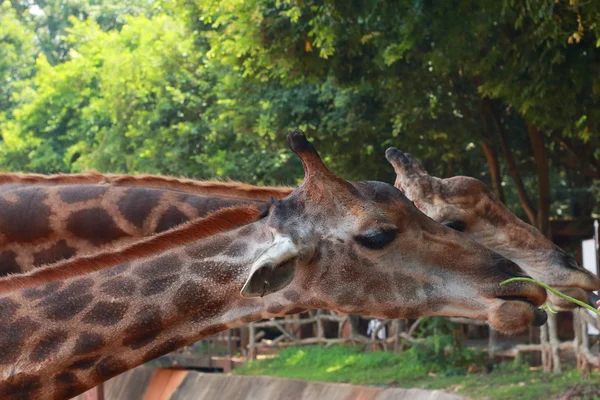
545 355
597 246
252 342
554 343
577 340
492 344
396 330
585 344
320 330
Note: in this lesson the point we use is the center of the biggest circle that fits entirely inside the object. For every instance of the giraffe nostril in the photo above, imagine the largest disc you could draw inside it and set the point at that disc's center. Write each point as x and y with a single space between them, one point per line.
567 261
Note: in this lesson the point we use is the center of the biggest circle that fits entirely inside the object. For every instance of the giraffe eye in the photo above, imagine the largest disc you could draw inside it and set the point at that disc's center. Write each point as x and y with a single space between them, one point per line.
376 239
456 225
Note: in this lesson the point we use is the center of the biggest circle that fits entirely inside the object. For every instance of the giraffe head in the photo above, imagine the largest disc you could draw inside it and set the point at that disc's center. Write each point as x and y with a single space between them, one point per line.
363 248
467 205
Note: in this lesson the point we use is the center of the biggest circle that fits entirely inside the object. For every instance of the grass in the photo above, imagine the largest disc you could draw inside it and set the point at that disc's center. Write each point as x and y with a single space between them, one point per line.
351 365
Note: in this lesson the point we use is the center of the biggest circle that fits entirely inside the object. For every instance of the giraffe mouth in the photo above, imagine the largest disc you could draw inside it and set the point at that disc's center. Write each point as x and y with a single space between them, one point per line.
523 296
521 291
539 316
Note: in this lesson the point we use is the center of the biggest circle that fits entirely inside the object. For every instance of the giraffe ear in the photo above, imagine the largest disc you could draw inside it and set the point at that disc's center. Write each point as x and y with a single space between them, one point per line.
274 269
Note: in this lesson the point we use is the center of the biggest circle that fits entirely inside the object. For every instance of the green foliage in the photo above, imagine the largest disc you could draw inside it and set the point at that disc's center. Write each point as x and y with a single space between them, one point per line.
346 364
442 349
16 57
439 355
338 364
209 88
121 100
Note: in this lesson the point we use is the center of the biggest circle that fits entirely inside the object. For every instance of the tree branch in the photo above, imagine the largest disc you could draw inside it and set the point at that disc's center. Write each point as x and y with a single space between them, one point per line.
576 152
492 157
512 165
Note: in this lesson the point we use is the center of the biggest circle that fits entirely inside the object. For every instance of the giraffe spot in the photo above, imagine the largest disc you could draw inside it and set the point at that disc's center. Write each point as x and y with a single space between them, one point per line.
165 347
68 386
217 272
59 251
121 287
109 367
46 290
70 301
94 225
194 300
8 308
68 308
146 328
156 286
236 249
160 266
171 218
26 220
77 288
352 273
12 338
8 263
375 287
275 308
79 193
106 313
118 270
84 363
202 251
66 377
407 285
223 276
49 344
21 387
87 343
137 204
292 296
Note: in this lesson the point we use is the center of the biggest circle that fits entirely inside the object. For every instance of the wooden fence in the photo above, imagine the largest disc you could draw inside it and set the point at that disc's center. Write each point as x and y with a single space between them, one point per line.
288 328
229 349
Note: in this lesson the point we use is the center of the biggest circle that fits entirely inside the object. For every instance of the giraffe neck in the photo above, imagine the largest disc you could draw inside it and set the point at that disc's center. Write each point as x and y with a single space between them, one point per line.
231 188
41 224
66 336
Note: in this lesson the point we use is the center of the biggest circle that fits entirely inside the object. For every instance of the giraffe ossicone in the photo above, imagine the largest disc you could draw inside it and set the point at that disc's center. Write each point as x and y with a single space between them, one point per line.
359 248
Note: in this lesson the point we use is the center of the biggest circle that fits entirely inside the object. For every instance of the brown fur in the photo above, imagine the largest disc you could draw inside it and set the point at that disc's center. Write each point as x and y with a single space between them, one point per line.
233 189
466 202
217 222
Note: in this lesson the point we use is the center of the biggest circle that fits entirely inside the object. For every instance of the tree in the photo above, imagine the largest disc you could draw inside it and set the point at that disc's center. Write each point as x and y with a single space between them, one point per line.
455 56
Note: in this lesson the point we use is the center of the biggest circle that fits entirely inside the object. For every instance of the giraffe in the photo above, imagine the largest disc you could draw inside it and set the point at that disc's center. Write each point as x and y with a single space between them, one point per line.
123 208
467 205
44 219
358 248
120 208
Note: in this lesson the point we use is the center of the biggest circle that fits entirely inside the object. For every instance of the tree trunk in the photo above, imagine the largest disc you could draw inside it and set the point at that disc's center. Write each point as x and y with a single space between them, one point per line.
492 159
540 155
510 162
